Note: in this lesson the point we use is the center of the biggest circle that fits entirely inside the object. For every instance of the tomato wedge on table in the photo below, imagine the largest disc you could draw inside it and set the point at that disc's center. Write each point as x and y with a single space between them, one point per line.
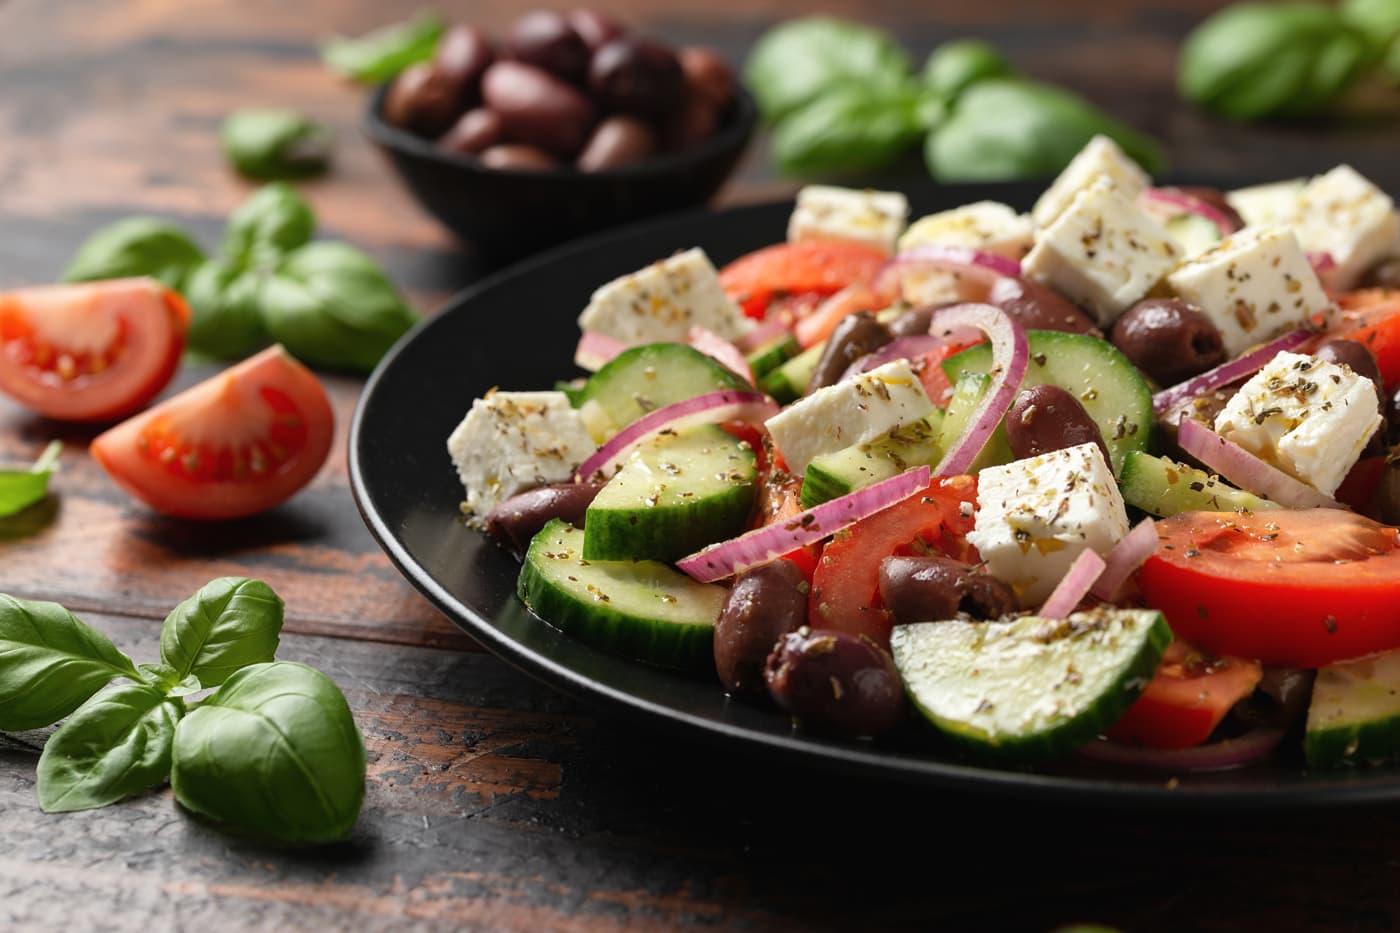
234 445
817 267
90 352
1293 588
1186 699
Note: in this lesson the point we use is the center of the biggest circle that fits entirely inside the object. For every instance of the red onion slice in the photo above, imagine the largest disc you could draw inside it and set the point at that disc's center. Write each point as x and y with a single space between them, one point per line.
1247 471
765 331
1221 755
595 350
721 351
710 408
1074 586
901 348
1126 556
1226 373
1010 355
1164 203
766 544
983 268
1321 261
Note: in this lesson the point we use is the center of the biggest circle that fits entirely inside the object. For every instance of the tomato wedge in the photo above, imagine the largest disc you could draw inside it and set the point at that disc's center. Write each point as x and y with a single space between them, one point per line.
1186 699
1371 316
90 352
234 445
820 267
1291 588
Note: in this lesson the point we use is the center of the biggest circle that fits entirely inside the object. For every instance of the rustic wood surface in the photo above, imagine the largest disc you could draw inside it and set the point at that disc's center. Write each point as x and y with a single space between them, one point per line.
495 803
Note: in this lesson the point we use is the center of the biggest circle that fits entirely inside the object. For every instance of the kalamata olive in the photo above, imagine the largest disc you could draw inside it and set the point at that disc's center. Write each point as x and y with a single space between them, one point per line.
1032 305
422 100
515 521
636 76
932 589
1384 274
708 75
1168 339
597 29
1278 701
763 605
1355 356
617 141
1388 492
463 54
693 122
1045 418
537 108
518 156
835 681
854 336
1216 199
548 40
915 322
474 131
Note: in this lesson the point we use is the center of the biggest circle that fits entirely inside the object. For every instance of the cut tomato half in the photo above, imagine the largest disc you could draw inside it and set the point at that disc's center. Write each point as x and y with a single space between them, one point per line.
817 267
1371 316
1186 699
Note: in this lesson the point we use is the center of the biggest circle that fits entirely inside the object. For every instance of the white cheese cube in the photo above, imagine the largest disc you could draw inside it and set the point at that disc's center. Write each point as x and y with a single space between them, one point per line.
854 411
1256 285
1343 214
513 441
663 302
1308 417
1101 156
988 226
1035 516
874 218
1271 205
1102 252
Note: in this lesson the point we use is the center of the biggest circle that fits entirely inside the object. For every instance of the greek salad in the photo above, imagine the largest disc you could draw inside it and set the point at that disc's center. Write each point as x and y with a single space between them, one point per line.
1112 478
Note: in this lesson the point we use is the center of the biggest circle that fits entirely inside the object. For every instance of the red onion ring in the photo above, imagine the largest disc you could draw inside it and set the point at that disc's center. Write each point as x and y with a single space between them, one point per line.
1010 356
595 350
901 348
982 266
1126 556
1247 471
1321 261
1226 373
1221 755
1167 202
765 331
1074 586
721 351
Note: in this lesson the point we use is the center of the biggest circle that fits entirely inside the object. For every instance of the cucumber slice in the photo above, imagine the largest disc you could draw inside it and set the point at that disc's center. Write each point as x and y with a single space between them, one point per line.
645 378
1029 687
1354 716
1165 487
1111 389
773 354
675 494
967 392
789 382
1195 233
836 474
641 609
572 389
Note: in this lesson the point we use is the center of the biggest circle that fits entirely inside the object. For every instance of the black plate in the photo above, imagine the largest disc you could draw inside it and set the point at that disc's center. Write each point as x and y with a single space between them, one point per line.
516 330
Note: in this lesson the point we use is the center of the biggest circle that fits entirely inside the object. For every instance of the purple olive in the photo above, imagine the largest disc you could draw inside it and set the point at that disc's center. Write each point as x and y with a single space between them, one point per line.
708 76
617 141
477 129
638 77
537 108
422 100
518 156
548 40
835 681
596 29
463 55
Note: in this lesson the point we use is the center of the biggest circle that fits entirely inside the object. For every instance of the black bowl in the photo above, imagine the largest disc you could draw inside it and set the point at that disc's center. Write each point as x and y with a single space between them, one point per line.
506 213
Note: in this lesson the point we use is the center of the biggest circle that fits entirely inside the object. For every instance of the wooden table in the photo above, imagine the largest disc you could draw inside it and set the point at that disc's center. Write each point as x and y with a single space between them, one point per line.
493 802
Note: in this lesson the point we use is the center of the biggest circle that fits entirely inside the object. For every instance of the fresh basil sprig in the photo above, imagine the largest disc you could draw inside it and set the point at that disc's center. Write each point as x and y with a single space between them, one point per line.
228 624
19 489
801 60
955 66
380 55
136 246
271 143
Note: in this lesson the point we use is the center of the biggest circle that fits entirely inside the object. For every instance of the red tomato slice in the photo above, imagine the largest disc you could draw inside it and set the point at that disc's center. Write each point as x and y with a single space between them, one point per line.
818 266
846 587
779 499
234 445
1186 699
817 326
90 352
1292 588
1371 316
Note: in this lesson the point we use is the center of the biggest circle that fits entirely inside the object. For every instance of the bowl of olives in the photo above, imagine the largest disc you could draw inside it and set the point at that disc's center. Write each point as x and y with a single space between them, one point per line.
567 124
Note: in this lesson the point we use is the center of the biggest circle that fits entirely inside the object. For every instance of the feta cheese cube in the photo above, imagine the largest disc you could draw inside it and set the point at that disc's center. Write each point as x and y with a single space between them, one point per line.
1035 516
1271 205
1343 214
1102 252
1101 156
854 411
1308 417
874 218
989 226
1256 285
513 441
663 302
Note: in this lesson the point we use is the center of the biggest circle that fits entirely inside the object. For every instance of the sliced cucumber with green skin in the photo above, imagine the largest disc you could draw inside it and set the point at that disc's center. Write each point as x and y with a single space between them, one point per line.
573 389
1029 687
773 354
967 392
1354 716
643 610
833 475
675 494
1195 233
645 378
1094 371
1165 487
789 382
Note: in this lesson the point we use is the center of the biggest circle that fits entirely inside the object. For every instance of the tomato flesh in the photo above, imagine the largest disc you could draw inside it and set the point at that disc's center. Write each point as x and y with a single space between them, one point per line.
817 267
1186 699
1371 317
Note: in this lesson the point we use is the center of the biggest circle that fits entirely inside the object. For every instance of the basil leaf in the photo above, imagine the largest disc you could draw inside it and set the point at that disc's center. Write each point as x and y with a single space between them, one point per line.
272 222
229 623
331 306
167 680
116 744
1003 129
382 54
50 663
847 129
797 62
1379 22
274 753
955 66
136 246
226 321
276 143
19 489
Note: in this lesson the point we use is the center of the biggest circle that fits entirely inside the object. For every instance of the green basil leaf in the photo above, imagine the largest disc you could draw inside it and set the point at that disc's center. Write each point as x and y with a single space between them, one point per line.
116 744
1378 20
955 66
274 753
276 143
167 680
271 223
19 489
228 624
380 55
226 321
797 62
848 129
331 306
50 662
136 246
1004 129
